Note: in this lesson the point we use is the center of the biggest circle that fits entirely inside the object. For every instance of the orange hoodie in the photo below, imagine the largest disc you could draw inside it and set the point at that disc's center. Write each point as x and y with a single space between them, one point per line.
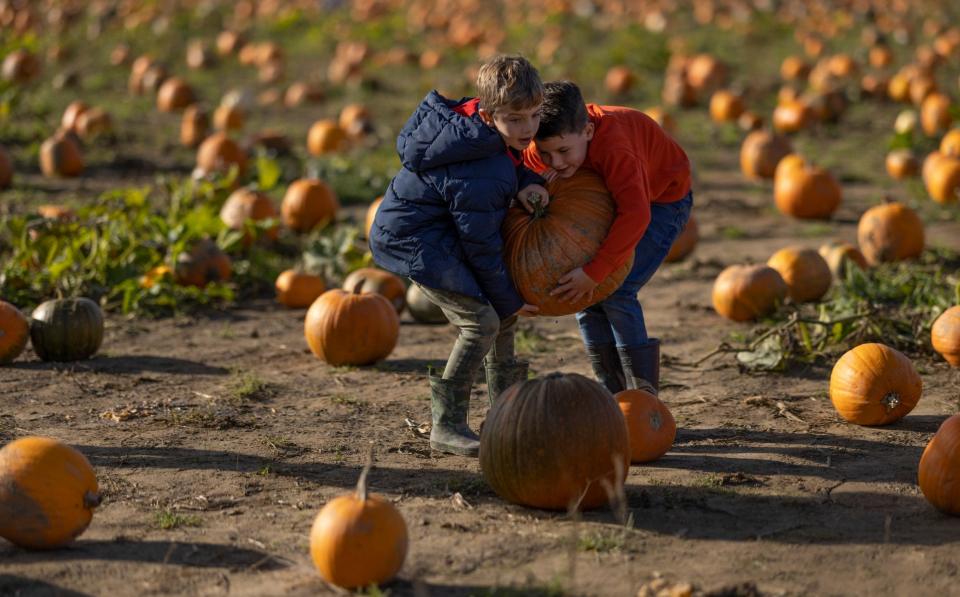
640 164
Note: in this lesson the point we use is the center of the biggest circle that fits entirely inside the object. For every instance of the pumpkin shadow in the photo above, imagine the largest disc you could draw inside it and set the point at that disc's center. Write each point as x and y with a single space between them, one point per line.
188 554
128 364
11 584
410 365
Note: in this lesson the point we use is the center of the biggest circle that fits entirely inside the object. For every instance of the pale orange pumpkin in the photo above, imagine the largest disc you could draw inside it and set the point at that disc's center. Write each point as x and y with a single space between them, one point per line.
950 144
761 152
219 153
205 262
14 332
794 68
937 472
725 106
806 273
307 204
806 192
358 540
194 126
48 491
945 335
684 244
324 137
890 232
663 118
60 156
746 292
839 256
228 117
355 120
935 114
943 181
650 425
297 289
371 215
901 164
874 384
350 328
93 122
73 111
175 95
619 80
245 205
791 116
371 279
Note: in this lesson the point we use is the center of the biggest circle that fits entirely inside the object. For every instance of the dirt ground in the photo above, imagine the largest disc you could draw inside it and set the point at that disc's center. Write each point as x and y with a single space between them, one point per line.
224 429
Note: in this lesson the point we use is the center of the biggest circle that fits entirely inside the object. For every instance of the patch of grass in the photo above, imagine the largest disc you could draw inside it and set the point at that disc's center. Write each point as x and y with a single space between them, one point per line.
167 520
529 340
732 233
264 471
553 588
283 446
345 400
248 386
601 541
816 230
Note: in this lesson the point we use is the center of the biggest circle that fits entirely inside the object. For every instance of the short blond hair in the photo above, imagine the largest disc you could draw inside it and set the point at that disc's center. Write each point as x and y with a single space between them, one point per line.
508 82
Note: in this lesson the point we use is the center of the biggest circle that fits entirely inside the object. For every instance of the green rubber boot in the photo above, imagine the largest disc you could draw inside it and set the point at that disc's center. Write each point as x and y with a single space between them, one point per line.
502 375
449 404
607 366
642 366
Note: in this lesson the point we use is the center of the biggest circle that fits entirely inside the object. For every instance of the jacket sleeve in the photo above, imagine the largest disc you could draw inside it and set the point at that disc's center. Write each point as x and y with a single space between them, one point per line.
627 181
478 224
526 176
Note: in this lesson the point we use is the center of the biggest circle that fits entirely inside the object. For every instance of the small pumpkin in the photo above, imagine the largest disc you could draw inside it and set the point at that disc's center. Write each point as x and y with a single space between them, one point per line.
873 384
794 68
194 126
706 73
48 491
937 472
371 215
6 169
540 248
950 144
901 164
228 117
371 279
807 192
890 232
806 273
422 309
685 242
725 106
761 152
619 80
244 205
60 156
650 424
20 66
750 121
298 289
307 204
66 329
219 153
841 256
324 137
792 116
666 120
358 540
554 441
350 328
14 332
202 264
943 180
945 335
935 114
746 292
73 111
355 120
93 123
174 95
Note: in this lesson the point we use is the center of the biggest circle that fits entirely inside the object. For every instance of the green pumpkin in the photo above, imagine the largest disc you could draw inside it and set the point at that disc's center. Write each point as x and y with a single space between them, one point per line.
66 329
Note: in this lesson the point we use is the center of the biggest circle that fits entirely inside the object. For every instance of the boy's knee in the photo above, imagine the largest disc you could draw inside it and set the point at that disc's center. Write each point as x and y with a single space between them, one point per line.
488 324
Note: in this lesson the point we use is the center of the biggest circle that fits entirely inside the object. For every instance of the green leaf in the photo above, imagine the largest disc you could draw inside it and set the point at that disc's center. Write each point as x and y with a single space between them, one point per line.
767 356
268 172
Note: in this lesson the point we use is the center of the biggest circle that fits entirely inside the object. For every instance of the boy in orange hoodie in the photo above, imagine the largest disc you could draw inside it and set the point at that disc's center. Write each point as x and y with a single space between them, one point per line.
648 175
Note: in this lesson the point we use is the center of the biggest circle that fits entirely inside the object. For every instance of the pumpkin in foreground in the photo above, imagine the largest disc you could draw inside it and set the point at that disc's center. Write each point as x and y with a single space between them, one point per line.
48 491
350 328
650 424
939 465
806 273
746 292
542 247
874 384
66 329
555 442
14 332
358 540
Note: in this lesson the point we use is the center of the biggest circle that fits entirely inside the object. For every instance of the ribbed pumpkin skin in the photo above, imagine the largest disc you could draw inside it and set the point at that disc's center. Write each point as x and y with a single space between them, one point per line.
549 440
379 281
47 493
650 424
890 232
247 204
746 292
356 543
840 255
685 242
297 289
945 335
351 329
806 273
308 203
66 329
807 193
761 152
939 471
14 332
874 384
204 263
539 251
218 153
421 309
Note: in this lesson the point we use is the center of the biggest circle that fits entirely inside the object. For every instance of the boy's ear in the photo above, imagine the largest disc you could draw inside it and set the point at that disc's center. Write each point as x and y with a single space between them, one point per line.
588 130
485 116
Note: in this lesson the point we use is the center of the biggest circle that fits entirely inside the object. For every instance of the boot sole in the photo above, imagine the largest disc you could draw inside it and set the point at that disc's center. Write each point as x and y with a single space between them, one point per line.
448 449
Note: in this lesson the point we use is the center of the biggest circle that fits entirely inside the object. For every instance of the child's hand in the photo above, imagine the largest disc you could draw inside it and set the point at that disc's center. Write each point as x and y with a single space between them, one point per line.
533 193
528 310
549 174
575 285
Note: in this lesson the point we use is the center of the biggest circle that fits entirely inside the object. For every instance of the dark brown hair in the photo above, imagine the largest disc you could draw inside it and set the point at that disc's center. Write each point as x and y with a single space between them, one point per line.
563 111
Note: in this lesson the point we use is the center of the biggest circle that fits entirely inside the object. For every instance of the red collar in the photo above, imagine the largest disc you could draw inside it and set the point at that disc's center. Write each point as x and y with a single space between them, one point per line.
468 109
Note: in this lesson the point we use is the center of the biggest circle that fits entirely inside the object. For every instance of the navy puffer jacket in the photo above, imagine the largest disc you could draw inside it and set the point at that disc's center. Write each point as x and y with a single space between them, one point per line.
439 222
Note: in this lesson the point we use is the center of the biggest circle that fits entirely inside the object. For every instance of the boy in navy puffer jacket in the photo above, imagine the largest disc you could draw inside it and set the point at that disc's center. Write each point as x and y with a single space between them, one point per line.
439 225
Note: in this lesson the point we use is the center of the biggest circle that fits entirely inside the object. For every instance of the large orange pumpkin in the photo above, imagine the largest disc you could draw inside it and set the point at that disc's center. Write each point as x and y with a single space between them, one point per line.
874 384
806 273
650 424
806 191
14 332
540 248
937 473
839 257
890 232
218 153
371 279
298 289
358 540
685 242
350 328
202 264
555 441
945 335
48 491
60 156
308 203
746 292
244 205
760 153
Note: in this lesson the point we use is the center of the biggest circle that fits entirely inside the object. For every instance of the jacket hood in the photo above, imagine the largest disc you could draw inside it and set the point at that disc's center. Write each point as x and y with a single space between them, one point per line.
435 135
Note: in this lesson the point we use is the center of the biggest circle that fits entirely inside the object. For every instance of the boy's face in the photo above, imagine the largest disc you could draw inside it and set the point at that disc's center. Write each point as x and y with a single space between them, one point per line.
517 126
565 153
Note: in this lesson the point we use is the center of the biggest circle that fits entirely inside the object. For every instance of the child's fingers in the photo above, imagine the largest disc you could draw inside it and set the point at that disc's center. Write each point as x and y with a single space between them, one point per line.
526 204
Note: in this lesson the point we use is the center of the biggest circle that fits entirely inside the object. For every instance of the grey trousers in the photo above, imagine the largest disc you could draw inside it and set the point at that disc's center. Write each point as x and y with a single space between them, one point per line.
482 333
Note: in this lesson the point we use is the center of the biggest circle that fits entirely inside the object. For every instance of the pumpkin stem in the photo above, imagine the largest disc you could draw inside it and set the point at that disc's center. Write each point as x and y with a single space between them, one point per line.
891 400
358 286
539 210
91 500
362 482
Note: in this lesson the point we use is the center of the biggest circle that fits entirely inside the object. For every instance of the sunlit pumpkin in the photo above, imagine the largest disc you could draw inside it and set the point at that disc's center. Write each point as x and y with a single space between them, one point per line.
540 248
60 156
175 95
937 472
650 424
307 204
325 136
943 180
619 80
194 126
554 442
794 68
791 116
839 256
296 289
229 117
685 242
874 384
747 292
93 122
761 152
350 328
890 232
806 273
73 110
219 153
806 191
371 279
14 332
666 121
950 144
66 329
355 120
48 491
245 205
20 66
371 215
945 335
901 164
935 116
205 262
725 106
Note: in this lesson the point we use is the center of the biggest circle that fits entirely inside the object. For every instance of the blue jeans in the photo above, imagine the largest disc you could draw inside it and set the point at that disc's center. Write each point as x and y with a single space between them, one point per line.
618 319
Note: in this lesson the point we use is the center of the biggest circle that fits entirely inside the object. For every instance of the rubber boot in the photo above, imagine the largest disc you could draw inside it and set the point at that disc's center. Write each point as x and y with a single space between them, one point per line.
449 404
502 375
606 364
642 366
